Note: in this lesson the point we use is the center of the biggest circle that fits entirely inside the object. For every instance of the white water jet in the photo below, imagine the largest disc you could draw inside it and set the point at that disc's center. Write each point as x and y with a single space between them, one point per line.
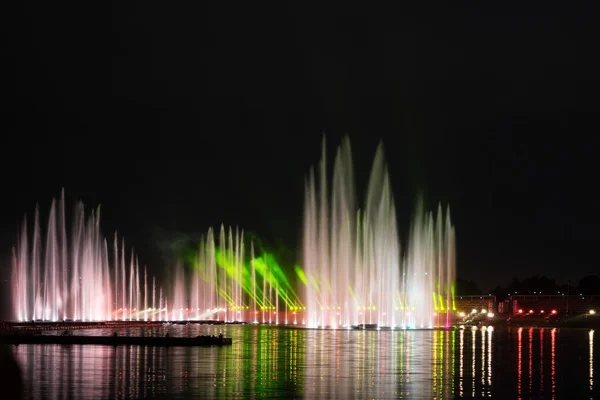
153 299
352 261
253 281
60 274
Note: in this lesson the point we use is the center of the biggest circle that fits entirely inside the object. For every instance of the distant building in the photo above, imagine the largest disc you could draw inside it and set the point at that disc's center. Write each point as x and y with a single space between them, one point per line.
562 304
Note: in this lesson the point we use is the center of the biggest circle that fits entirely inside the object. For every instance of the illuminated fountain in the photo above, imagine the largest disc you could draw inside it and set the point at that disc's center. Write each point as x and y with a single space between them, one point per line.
59 276
224 284
75 275
354 271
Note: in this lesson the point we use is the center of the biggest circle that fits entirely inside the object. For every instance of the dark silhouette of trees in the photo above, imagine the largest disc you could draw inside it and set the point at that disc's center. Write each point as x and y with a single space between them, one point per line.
466 288
589 285
539 284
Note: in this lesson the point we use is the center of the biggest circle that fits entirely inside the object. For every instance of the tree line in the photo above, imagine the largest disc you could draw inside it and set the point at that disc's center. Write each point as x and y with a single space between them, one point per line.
537 284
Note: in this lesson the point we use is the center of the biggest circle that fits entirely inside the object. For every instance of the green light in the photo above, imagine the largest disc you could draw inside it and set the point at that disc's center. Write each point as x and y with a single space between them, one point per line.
300 273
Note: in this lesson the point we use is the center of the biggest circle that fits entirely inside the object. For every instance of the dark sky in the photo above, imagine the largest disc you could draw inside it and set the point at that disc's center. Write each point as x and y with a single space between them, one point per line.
177 118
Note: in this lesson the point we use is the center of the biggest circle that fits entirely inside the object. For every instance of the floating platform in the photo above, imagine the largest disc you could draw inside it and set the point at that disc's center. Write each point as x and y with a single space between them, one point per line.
116 340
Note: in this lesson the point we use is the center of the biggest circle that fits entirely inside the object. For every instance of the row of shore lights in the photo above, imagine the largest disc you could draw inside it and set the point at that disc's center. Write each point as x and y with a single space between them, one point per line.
520 311
591 312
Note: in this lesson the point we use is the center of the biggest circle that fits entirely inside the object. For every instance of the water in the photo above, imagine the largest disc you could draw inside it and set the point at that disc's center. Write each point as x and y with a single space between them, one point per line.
270 362
354 268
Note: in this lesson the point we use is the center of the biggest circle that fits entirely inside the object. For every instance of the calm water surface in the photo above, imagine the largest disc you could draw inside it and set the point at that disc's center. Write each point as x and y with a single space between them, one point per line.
270 362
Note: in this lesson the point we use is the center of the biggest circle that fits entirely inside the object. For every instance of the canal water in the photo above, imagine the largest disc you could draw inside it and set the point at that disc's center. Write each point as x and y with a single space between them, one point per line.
275 362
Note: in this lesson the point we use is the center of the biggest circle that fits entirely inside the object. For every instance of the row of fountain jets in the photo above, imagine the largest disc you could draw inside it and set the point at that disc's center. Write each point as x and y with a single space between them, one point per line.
353 269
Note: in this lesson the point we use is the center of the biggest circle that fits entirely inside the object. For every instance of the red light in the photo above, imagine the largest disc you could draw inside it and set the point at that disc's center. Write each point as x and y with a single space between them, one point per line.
255 312
520 311
530 311
541 312
274 312
553 311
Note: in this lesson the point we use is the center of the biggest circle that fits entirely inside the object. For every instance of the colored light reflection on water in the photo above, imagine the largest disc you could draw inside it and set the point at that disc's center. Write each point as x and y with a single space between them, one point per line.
277 362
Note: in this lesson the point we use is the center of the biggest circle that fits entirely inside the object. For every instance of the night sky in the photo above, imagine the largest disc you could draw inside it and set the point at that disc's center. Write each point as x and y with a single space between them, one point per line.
177 118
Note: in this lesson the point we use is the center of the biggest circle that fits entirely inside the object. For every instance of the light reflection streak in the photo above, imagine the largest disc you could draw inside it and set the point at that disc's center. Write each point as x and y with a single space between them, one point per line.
395 362
441 359
407 335
553 360
435 363
461 363
474 338
489 361
542 360
382 356
591 340
519 361
453 363
530 337
483 363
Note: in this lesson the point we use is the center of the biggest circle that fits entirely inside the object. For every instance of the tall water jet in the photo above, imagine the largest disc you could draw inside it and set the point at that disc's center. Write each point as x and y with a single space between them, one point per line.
153 299
137 290
255 313
178 296
35 268
145 294
123 281
355 272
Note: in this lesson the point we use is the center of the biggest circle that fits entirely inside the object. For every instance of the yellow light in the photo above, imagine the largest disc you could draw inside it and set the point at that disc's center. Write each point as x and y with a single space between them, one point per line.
461 314
592 312
490 315
483 310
